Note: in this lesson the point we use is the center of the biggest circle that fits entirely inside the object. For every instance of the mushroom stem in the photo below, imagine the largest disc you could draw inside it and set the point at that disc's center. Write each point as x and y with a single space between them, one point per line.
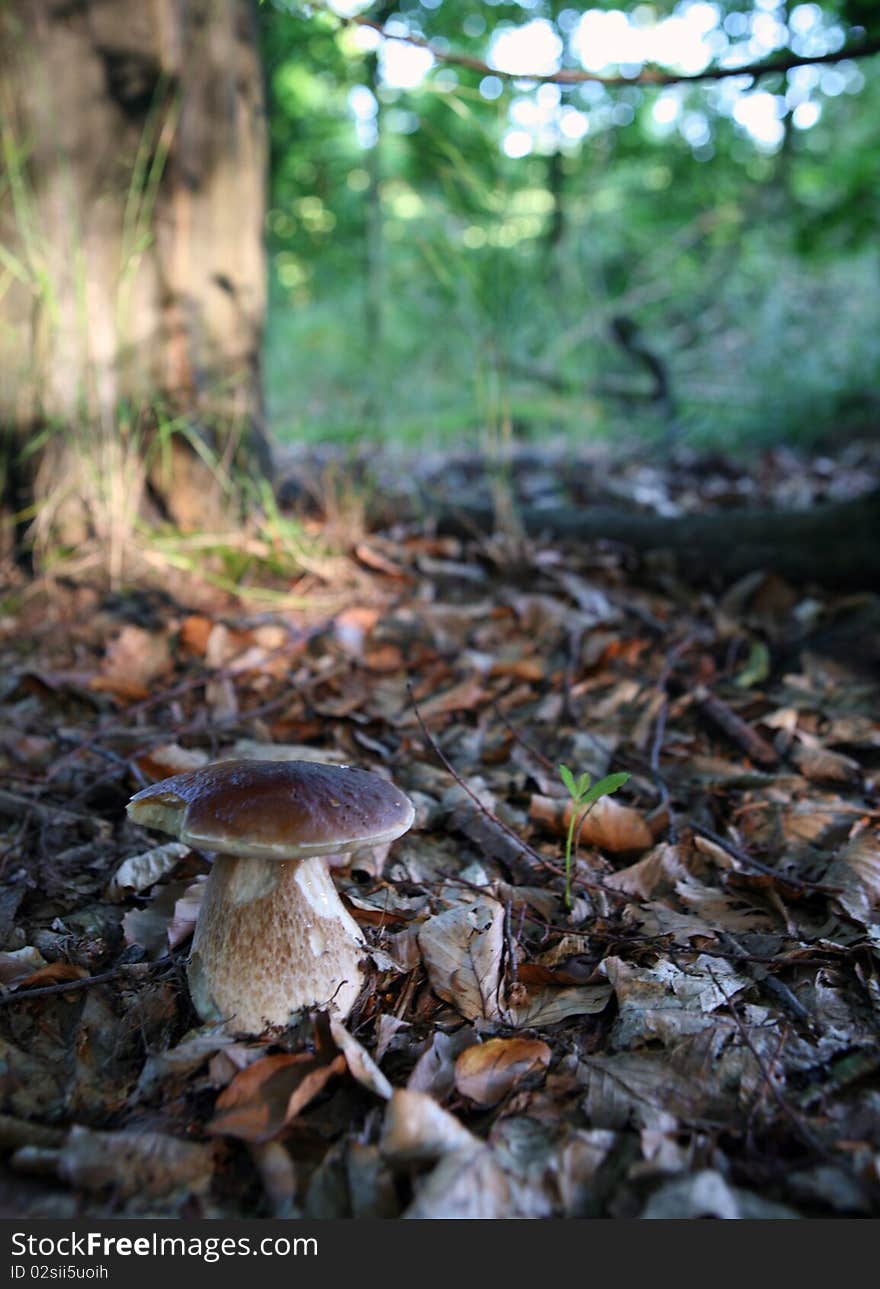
271 937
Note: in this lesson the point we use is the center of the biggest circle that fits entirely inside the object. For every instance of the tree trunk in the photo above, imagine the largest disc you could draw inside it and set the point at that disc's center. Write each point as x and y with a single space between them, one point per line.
834 544
131 254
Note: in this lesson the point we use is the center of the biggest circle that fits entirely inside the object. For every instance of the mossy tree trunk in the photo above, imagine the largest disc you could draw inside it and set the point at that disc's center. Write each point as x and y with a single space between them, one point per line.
131 251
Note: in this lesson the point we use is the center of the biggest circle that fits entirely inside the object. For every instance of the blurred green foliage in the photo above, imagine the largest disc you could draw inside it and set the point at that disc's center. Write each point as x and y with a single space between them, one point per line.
427 284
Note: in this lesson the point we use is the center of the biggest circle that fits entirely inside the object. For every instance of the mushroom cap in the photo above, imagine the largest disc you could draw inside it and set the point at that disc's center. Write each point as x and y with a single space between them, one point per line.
275 809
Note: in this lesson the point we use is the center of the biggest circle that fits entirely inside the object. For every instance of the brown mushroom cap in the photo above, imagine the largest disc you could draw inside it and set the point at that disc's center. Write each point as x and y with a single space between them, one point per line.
275 809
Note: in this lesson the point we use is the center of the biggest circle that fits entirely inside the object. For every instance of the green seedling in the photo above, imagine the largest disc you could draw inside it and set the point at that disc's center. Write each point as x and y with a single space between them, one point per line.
584 795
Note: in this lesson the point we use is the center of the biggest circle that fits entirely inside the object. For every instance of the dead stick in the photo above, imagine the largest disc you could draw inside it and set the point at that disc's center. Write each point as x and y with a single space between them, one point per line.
805 1133
736 729
85 982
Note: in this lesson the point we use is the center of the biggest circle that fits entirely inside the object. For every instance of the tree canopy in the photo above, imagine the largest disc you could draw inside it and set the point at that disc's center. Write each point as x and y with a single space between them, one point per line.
522 229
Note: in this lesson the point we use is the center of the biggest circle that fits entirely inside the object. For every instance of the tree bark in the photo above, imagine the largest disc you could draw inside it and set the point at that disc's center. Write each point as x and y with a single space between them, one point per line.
131 242
834 544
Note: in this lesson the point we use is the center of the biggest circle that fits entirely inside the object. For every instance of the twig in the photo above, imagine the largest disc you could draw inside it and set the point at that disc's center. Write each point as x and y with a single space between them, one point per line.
47 814
736 729
648 76
490 814
85 982
805 1133
745 858
518 737
660 729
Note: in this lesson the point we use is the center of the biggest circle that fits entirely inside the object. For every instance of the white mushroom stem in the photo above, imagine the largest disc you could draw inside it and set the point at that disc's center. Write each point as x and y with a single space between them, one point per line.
272 936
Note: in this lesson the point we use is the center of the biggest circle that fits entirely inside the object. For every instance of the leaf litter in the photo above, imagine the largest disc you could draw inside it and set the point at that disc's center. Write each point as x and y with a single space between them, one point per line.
696 1035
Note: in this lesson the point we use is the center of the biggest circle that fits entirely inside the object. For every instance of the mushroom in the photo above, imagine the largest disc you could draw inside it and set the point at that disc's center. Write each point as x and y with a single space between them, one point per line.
272 934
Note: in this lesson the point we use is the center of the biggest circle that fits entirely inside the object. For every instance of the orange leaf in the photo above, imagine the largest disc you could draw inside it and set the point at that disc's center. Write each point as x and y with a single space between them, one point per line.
56 973
266 1096
487 1071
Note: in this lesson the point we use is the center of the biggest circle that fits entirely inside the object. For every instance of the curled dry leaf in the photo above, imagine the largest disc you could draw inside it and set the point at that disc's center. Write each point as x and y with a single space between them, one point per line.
170 758
550 1006
139 872
486 1072
463 697
267 1095
461 949
132 662
54 973
607 823
709 1194
193 1050
822 765
416 1130
18 964
134 1163
655 874
666 1002
361 1065
186 911
855 871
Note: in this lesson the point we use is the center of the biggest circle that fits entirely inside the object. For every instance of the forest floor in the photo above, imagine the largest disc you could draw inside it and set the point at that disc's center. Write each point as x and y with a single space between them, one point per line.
696 1035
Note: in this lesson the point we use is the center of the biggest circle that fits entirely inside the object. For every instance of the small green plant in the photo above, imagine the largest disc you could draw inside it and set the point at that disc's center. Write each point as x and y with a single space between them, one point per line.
584 795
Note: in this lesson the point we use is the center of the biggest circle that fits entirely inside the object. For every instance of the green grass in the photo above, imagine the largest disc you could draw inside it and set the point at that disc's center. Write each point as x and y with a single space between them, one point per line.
788 353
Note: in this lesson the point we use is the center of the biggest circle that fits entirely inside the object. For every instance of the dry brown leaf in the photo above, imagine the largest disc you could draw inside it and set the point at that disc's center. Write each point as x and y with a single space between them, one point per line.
461 949
666 1002
263 1098
170 758
54 973
195 631
607 824
148 926
18 964
463 697
486 1072
133 661
186 911
193 1050
361 1065
550 1006
855 871
822 765
139 872
654 874
134 1163
416 1130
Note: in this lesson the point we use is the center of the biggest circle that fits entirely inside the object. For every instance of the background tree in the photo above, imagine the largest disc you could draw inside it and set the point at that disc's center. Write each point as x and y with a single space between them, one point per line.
131 252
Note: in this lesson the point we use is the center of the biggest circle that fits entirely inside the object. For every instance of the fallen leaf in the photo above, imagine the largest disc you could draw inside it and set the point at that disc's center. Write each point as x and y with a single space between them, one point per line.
461 949
195 631
193 1050
139 872
17 964
486 1072
463 697
855 871
666 1002
416 1130
607 823
709 1194
656 873
550 1006
263 1098
183 919
170 758
361 1065
134 1163
133 661
54 973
